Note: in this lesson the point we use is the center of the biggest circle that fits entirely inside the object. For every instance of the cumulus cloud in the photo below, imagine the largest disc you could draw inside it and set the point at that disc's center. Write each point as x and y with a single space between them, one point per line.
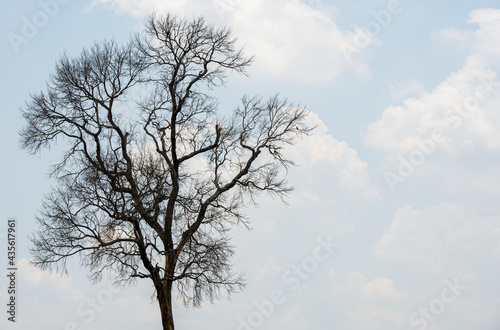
447 237
291 319
48 300
369 304
371 317
461 111
487 36
33 278
453 35
480 41
379 289
328 165
401 90
291 39
35 292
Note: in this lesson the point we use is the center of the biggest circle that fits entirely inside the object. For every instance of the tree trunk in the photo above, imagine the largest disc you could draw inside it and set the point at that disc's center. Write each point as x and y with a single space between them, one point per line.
164 294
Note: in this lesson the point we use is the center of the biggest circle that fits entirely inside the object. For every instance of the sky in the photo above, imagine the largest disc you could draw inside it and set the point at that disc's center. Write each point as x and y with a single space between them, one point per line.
394 222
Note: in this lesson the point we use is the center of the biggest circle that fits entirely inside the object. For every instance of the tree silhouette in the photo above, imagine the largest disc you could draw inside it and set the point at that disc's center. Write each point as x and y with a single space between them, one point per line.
150 187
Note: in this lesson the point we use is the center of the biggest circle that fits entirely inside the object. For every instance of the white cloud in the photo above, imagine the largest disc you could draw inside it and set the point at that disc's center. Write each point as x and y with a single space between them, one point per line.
379 289
400 90
332 163
460 116
459 38
292 319
375 304
463 109
35 294
453 125
447 237
51 301
483 42
33 278
378 305
370 316
290 38
280 317
486 38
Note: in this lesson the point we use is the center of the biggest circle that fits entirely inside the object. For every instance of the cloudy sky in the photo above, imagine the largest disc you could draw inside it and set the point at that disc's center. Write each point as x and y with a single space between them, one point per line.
394 222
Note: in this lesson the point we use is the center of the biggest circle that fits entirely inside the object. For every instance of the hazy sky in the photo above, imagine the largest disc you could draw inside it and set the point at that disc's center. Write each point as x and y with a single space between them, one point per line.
394 222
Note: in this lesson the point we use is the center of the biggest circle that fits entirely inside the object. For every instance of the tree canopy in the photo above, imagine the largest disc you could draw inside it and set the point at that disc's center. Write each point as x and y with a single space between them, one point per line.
149 187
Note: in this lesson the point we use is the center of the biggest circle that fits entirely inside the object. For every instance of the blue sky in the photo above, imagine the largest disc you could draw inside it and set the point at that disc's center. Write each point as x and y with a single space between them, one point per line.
394 222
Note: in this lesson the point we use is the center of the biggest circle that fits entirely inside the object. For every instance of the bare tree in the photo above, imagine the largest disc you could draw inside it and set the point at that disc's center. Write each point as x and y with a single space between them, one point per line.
150 187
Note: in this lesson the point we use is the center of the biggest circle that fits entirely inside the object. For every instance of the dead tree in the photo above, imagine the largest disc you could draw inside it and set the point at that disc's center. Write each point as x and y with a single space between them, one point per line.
150 186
